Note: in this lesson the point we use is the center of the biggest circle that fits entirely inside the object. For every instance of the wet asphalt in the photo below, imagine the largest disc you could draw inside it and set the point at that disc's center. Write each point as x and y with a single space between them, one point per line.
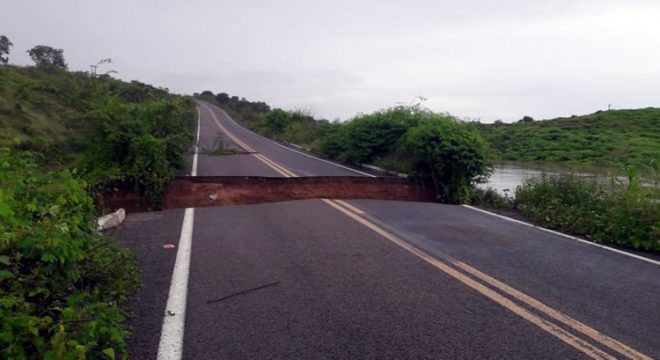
300 280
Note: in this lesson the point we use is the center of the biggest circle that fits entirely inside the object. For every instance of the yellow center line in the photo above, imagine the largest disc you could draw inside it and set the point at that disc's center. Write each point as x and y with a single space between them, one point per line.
549 327
278 168
349 206
587 348
557 315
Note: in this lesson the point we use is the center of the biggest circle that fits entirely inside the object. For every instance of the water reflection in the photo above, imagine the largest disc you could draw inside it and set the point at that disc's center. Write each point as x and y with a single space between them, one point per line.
506 176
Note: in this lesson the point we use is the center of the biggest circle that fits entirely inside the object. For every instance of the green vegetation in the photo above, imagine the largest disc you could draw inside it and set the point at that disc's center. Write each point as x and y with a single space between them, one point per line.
448 154
60 281
606 138
436 150
606 211
108 129
64 136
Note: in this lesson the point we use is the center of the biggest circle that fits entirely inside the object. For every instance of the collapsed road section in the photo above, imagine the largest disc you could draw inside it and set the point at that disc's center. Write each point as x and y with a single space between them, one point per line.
203 191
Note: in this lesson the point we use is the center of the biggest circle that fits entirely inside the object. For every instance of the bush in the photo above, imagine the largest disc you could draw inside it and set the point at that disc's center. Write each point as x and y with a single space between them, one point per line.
607 211
368 137
447 154
490 198
60 282
274 121
143 144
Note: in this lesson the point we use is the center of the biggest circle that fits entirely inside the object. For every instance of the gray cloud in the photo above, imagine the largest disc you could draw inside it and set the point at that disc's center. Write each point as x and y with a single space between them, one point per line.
479 59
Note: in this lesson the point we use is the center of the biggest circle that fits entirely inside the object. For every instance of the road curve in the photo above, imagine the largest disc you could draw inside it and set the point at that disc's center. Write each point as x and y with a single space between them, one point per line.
379 279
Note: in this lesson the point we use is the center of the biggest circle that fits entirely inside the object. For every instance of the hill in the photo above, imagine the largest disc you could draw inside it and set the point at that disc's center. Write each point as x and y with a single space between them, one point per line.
54 111
106 128
63 137
605 138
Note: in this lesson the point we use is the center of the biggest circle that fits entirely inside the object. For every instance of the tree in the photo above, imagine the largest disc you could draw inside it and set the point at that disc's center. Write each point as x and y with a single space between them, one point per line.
44 55
371 136
5 44
222 98
447 154
275 121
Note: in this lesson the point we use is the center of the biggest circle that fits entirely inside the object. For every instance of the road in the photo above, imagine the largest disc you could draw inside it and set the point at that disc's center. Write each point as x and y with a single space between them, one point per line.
369 279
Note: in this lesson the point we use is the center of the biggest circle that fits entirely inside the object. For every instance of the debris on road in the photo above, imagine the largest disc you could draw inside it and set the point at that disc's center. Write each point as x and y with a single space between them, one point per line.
243 292
111 220
168 246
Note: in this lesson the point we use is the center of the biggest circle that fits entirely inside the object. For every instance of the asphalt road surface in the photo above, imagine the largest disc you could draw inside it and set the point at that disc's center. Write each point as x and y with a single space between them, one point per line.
367 279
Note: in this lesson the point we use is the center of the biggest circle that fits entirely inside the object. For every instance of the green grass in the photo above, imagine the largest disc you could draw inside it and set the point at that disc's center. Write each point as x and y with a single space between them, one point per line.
607 138
41 109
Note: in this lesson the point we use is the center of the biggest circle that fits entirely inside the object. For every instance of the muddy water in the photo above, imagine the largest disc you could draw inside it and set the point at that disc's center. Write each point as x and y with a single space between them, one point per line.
507 176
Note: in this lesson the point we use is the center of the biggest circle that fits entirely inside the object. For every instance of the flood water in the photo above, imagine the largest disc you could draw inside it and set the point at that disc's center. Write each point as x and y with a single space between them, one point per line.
507 176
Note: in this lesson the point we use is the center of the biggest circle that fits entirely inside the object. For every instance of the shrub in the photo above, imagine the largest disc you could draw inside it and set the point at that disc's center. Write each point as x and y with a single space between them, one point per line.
274 121
490 198
447 154
60 282
143 144
607 211
368 137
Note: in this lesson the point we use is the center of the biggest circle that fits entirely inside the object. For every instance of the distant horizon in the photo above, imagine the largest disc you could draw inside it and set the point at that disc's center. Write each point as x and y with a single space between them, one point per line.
476 59
434 111
458 116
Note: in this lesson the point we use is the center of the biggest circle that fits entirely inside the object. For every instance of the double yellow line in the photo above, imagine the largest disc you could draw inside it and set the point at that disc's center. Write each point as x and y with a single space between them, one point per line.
451 267
275 166
538 313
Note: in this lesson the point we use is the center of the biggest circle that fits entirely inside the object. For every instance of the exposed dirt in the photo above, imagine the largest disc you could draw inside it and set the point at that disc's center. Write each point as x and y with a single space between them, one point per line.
203 191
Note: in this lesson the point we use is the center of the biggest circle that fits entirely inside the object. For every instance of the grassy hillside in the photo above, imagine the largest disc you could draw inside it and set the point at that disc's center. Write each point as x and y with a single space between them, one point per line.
108 129
607 138
56 112
64 136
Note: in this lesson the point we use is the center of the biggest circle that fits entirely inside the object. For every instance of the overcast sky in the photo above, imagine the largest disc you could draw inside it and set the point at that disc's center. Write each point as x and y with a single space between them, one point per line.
473 58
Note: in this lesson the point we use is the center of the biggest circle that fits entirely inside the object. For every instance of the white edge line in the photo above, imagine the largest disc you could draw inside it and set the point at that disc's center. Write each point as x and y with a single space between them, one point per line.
170 346
638 257
193 171
171 335
293 150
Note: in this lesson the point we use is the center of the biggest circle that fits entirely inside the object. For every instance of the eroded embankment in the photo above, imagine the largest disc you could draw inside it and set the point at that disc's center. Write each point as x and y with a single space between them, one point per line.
203 191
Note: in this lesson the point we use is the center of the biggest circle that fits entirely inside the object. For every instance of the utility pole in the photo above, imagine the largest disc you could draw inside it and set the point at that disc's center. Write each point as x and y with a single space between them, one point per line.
94 67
